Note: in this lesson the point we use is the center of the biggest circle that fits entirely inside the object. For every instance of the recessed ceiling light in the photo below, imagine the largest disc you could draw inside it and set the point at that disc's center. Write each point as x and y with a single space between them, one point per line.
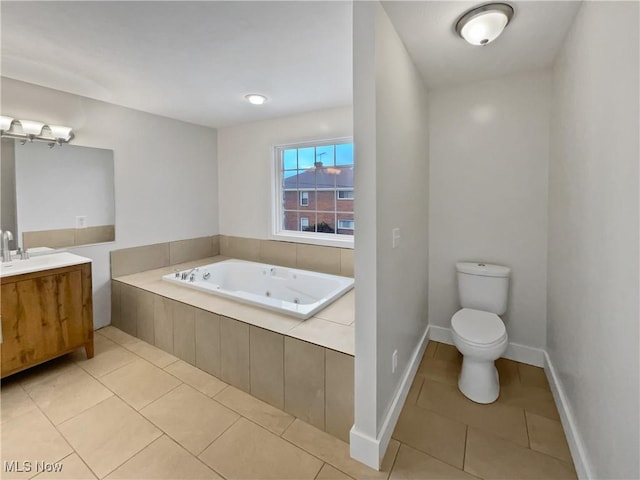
482 25
256 98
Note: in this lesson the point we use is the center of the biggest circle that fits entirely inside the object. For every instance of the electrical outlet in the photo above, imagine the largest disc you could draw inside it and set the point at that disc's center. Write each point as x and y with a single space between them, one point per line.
81 221
394 361
395 237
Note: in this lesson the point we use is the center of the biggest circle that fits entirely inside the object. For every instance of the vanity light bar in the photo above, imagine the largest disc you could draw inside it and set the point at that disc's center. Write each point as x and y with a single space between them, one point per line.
29 131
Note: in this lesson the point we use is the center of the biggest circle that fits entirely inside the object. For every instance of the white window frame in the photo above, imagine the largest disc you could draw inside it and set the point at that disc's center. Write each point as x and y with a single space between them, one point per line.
338 197
307 222
353 223
313 238
303 195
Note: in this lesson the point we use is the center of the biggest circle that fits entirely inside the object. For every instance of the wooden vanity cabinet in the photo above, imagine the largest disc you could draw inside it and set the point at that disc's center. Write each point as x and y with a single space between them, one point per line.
45 314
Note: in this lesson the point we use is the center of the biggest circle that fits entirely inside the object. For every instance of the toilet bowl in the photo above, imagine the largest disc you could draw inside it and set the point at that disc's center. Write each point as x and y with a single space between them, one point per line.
481 338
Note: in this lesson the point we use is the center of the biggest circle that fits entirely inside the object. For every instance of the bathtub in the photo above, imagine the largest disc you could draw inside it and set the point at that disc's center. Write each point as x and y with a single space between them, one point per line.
299 293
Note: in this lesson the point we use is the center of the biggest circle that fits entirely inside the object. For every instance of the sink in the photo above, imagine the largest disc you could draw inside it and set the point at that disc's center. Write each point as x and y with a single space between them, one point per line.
42 262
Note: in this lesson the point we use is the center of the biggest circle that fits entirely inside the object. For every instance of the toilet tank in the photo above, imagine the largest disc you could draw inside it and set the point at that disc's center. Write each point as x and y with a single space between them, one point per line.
482 286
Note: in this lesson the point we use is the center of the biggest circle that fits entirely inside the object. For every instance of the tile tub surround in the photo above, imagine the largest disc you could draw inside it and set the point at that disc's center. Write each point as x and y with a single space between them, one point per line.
334 260
138 259
255 350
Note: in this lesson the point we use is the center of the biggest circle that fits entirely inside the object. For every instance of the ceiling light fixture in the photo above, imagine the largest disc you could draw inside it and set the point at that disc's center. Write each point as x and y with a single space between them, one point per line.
256 98
29 131
483 24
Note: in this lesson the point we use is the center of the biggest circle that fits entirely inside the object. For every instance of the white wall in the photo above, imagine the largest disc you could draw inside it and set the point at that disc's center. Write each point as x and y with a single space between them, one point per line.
246 163
165 171
489 157
392 157
57 184
592 331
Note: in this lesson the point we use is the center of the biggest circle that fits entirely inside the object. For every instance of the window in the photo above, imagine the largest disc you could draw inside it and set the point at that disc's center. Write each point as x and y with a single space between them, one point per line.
344 194
312 180
346 224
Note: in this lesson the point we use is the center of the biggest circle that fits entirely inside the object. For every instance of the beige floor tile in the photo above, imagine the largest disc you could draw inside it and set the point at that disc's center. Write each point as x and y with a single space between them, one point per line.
66 394
190 417
327 472
430 351
414 391
531 376
432 433
72 468
256 410
207 384
117 335
247 450
43 372
547 436
506 421
140 383
439 370
158 357
341 311
108 356
336 452
507 372
448 353
532 399
163 459
30 437
412 464
491 457
107 435
14 401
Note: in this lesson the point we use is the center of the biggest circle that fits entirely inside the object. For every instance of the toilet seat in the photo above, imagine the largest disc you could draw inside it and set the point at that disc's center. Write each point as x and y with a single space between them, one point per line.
478 328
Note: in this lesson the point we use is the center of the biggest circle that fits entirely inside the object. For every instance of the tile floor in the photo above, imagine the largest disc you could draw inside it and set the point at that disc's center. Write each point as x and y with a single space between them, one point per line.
136 412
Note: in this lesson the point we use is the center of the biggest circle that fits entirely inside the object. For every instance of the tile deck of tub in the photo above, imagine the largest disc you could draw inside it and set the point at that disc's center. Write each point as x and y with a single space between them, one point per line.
332 327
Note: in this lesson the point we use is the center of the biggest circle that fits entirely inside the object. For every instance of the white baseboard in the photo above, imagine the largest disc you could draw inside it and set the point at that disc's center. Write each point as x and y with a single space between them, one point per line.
515 351
578 453
369 450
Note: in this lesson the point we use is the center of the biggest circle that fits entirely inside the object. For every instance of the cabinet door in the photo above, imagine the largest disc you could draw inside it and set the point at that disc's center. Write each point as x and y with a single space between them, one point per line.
41 317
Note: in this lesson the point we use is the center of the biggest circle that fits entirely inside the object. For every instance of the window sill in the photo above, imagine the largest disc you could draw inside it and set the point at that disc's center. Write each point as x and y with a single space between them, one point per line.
317 239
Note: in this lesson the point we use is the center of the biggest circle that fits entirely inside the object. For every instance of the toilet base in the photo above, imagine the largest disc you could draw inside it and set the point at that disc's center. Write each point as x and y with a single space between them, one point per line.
479 380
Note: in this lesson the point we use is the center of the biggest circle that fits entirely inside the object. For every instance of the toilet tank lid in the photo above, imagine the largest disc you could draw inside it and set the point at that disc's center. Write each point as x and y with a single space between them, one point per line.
483 269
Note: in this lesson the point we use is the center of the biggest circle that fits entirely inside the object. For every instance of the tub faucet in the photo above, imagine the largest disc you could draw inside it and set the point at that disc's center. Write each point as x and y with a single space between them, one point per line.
6 253
190 274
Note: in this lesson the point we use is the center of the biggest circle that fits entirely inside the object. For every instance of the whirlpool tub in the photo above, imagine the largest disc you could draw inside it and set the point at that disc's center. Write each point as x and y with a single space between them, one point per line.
299 293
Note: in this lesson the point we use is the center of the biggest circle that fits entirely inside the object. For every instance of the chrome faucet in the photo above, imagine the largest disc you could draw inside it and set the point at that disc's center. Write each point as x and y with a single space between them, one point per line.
6 253
190 274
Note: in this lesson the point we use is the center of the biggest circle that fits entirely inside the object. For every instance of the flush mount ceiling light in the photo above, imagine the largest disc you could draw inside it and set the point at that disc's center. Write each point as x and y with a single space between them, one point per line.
483 24
29 131
256 98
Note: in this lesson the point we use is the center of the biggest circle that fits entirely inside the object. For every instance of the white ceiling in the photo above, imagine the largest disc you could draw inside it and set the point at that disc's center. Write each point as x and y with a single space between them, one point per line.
531 40
193 61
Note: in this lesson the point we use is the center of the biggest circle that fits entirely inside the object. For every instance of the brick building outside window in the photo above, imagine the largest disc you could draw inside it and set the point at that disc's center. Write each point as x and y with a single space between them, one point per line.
316 188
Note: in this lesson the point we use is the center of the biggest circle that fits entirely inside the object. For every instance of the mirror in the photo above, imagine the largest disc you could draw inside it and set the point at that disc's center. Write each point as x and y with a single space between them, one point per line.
57 197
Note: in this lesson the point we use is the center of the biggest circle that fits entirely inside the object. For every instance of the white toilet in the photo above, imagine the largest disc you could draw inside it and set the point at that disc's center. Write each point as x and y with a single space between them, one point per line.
478 332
